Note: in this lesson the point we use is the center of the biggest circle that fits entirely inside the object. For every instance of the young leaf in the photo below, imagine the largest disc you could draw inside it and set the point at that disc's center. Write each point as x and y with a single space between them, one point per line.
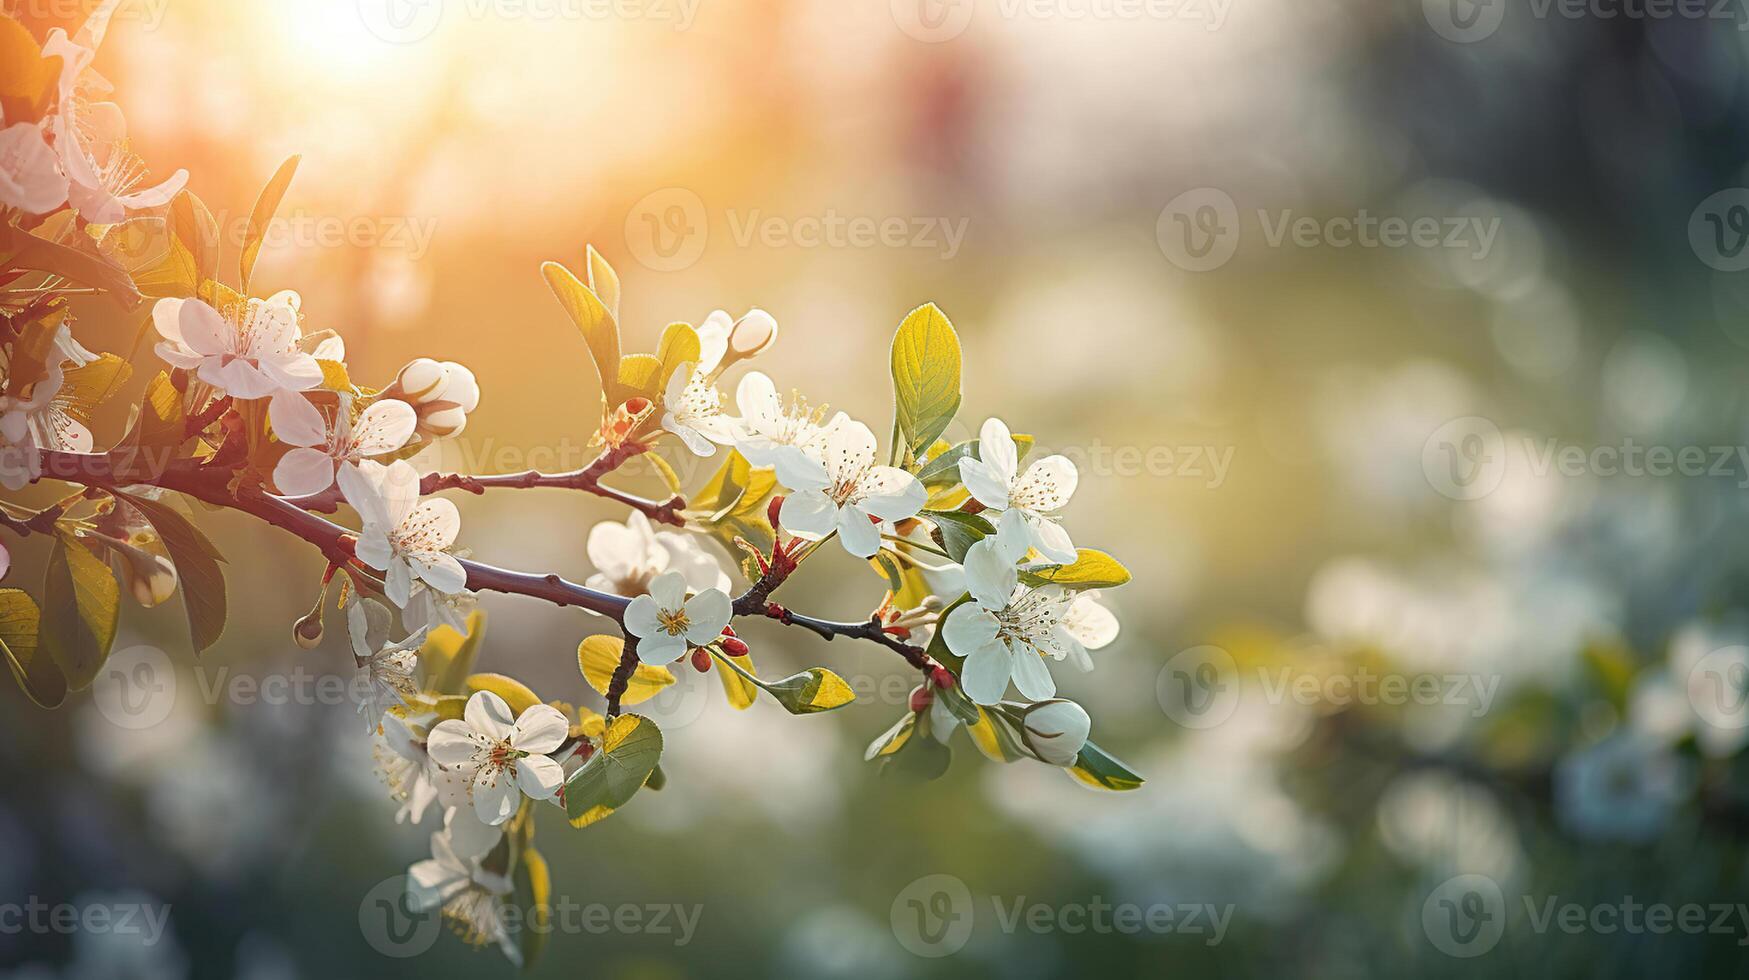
603 281
740 691
90 386
447 657
943 470
598 656
920 757
81 603
27 251
640 374
680 345
515 693
812 691
891 740
1095 768
625 759
1091 570
31 666
194 225
266 206
993 737
926 377
197 569
957 532
600 328
157 433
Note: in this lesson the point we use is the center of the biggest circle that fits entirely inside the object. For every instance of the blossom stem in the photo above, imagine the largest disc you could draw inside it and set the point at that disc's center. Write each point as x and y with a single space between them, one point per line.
622 675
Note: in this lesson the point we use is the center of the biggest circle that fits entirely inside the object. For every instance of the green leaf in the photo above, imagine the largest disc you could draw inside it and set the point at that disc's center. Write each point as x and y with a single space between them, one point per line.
446 658
943 470
194 225
32 667
1091 570
598 656
893 739
599 327
889 571
957 532
995 736
926 377
26 251
628 754
680 345
197 569
921 757
810 692
81 604
150 446
534 895
1098 769
266 206
938 647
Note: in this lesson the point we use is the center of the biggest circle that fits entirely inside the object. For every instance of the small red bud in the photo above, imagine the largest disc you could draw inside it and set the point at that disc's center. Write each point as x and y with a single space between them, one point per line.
773 509
637 406
942 677
902 632
701 660
734 647
921 698
729 631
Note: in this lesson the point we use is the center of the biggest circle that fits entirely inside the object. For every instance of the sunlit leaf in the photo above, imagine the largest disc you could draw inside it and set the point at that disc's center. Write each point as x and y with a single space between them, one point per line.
679 346
926 377
31 666
599 657
740 691
515 693
81 603
1091 570
628 754
812 691
157 433
599 326
534 895
197 569
447 657
603 281
1096 768
266 206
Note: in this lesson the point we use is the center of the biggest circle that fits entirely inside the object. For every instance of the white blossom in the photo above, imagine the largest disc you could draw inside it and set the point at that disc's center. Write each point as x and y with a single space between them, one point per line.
502 759
844 491
403 536
383 428
994 480
668 624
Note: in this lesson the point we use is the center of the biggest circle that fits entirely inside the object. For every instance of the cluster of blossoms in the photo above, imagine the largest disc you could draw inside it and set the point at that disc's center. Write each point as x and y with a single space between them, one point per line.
252 410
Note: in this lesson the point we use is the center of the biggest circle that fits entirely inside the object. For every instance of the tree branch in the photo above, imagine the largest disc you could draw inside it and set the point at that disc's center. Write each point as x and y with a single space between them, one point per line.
872 630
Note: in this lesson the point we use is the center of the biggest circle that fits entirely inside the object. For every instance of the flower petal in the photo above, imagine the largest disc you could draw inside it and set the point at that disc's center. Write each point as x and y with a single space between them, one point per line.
487 714
996 447
892 494
859 535
496 796
1031 676
985 674
302 472
990 575
849 450
295 420
641 618
453 743
539 777
539 730
1047 485
383 428
808 514
706 613
669 591
968 629
984 483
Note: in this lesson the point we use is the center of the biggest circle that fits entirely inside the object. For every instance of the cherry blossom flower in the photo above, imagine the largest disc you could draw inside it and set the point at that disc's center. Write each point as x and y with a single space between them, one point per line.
388 667
693 410
1005 631
411 776
502 760
252 353
433 608
442 393
843 490
472 898
1090 625
668 624
383 428
788 439
104 175
1055 731
35 421
994 481
403 536
629 556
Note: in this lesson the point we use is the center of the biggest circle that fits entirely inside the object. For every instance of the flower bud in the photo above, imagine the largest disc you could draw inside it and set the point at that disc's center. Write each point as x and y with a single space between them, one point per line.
443 422
701 660
942 678
461 388
752 334
307 632
734 646
922 696
420 381
1055 730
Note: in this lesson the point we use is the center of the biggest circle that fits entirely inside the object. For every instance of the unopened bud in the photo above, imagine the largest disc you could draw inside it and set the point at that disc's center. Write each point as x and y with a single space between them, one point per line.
1055 730
942 678
420 381
461 387
753 333
445 421
734 646
922 696
701 660
636 407
730 631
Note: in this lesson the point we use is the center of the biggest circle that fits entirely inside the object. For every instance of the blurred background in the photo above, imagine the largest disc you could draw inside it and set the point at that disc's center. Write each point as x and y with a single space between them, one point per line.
1401 346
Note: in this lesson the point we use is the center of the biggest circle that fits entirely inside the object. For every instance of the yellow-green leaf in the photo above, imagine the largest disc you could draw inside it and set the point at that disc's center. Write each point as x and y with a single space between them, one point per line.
598 656
628 754
1090 570
194 225
640 374
1096 768
599 326
34 670
515 693
740 691
603 281
197 569
89 386
812 691
680 345
534 895
81 603
447 657
266 206
926 377
27 251
151 444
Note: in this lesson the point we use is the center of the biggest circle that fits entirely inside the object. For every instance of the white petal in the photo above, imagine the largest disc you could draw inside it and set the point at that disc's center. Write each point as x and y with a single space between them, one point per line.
539 777
496 796
539 730
756 398
201 328
400 489
442 572
984 483
968 629
302 472
433 524
487 714
362 486
398 582
1047 485
985 674
1090 623
661 648
1031 676
669 591
641 618
295 420
990 576
996 447
891 494
848 451
707 613
809 514
859 535
1051 540
469 837
384 427
452 743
